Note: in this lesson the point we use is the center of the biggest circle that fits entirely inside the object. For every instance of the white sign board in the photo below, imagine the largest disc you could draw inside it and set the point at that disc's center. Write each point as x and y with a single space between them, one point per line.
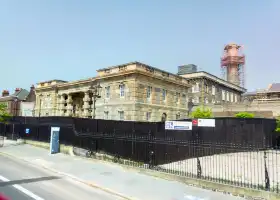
206 122
178 125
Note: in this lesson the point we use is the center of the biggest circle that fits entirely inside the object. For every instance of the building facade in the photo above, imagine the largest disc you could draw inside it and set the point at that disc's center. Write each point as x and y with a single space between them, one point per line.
13 101
19 103
210 90
27 106
133 91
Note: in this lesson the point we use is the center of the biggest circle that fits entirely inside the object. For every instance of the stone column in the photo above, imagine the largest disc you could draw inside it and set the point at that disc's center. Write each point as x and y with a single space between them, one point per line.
61 106
69 109
93 106
86 106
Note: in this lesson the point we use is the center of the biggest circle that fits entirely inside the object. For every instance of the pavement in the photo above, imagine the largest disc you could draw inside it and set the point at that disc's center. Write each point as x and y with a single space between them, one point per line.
22 181
109 177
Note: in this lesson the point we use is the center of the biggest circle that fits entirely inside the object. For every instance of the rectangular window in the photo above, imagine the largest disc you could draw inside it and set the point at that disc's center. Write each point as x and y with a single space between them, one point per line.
235 98
149 92
195 88
148 116
107 92
223 95
184 98
106 115
122 89
227 96
196 100
213 90
206 88
121 115
164 92
177 97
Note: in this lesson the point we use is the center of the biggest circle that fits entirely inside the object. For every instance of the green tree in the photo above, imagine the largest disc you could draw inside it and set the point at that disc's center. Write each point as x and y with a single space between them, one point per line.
202 113
4 115
244 115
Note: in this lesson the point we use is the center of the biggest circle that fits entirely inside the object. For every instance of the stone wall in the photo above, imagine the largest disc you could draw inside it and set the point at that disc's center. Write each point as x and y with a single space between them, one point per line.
261 109
266 114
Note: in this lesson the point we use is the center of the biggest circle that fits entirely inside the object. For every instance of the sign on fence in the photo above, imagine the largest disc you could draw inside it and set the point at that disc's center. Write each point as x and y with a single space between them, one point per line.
206 122
178 125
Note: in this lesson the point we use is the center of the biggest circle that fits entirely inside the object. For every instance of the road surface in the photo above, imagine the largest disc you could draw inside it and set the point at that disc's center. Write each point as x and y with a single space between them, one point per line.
22 181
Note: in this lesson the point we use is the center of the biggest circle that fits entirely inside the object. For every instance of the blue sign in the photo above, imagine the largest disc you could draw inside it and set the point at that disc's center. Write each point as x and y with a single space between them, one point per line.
178 125
27 131
169 125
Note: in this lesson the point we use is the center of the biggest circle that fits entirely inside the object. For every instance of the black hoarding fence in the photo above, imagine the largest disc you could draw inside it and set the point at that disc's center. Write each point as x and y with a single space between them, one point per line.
234 151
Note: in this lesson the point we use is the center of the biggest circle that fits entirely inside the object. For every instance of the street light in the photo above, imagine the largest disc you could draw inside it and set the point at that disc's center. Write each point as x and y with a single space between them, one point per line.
15 107
96 91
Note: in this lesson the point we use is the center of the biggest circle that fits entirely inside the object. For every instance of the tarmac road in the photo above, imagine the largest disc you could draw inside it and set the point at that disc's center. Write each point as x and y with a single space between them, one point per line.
22 181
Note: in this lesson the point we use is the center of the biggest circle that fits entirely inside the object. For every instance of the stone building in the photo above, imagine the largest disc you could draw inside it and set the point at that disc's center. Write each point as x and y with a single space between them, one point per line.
211 90
133 91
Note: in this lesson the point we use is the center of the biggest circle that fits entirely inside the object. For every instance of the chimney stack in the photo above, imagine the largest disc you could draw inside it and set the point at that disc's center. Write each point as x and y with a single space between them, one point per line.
17 89
5 93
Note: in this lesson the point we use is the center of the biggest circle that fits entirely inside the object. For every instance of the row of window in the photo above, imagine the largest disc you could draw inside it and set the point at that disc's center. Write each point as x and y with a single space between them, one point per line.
148 115
196 89
120 115
108 91
226 96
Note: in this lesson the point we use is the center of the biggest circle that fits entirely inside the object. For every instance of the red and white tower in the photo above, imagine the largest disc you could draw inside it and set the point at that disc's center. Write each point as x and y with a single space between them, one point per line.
233 64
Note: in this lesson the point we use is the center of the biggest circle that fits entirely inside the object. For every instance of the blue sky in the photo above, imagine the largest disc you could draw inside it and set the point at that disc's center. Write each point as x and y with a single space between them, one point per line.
70 39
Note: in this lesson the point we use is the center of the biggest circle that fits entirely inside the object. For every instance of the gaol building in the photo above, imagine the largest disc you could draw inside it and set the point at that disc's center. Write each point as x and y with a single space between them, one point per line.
134 91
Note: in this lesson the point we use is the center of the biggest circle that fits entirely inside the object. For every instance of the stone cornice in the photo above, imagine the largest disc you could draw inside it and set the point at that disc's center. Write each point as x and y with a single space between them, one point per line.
65 85
179 81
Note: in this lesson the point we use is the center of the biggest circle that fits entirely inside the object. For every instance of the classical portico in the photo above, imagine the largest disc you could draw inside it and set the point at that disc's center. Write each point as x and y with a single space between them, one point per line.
74 102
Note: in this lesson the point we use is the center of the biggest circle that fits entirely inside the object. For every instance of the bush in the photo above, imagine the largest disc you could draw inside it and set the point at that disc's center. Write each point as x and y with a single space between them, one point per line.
278 124
202 113
244 115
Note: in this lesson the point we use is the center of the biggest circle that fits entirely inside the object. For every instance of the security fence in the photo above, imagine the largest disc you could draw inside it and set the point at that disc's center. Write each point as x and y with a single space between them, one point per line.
240 152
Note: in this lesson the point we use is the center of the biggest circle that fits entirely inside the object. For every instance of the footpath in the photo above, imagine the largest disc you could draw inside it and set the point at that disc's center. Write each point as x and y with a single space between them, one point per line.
111 177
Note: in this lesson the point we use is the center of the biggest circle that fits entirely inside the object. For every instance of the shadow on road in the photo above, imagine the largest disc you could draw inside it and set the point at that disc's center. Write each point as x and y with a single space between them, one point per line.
30 180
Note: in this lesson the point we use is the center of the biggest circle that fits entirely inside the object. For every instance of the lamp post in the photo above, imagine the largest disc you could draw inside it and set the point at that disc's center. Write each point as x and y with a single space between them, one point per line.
96 90
15 114
40 107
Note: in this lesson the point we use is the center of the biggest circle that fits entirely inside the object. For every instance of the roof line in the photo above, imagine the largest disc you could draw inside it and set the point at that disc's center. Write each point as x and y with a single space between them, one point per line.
136 62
